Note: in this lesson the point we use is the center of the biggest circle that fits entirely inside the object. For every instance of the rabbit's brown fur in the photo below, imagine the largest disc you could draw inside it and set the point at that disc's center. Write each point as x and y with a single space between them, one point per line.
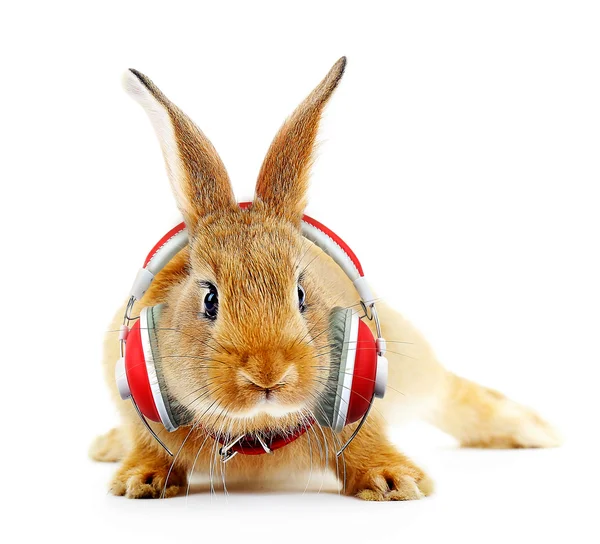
218 370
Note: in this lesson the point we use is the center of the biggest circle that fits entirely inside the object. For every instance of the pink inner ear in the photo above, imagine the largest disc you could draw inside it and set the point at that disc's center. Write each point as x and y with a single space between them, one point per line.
365 370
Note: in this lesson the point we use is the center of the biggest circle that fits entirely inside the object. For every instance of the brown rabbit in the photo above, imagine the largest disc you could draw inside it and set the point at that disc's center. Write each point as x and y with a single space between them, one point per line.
260 340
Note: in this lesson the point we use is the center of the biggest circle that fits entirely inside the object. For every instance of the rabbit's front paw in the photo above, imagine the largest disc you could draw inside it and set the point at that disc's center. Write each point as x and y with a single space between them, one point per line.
147 482
398 483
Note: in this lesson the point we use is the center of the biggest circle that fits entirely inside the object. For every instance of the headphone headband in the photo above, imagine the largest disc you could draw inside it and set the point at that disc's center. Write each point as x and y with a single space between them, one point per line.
177 238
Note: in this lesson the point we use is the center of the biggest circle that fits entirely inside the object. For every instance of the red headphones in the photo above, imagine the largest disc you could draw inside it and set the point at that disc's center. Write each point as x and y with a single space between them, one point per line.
358 366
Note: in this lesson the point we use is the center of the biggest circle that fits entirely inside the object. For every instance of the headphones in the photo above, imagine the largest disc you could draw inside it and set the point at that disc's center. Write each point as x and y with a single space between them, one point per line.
359 369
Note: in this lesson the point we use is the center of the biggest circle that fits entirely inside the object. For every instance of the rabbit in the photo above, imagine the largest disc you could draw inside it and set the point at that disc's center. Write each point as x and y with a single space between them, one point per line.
246 309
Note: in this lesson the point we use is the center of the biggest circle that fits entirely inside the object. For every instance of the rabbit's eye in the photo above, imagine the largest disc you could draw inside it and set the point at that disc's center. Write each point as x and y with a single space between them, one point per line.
301 298
211 303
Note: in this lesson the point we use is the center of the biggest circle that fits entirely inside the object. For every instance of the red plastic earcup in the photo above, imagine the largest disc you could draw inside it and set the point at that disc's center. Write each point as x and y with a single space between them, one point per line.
352 377
365 371
137 373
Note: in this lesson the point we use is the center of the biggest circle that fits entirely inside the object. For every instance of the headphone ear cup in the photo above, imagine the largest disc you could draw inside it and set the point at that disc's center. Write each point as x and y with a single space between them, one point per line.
352 377
364 380
157 379
143 369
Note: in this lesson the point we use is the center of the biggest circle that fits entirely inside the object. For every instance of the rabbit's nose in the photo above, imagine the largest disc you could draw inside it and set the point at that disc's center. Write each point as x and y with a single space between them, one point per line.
260 384
266 382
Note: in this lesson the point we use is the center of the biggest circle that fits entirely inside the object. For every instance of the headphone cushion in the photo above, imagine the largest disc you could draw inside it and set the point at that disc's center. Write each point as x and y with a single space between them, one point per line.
339 342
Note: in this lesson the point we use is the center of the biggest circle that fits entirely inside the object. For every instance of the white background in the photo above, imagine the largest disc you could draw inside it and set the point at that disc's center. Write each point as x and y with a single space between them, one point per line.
459 158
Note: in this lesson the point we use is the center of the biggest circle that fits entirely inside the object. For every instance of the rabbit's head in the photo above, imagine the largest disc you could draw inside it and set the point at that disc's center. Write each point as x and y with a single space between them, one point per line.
244 328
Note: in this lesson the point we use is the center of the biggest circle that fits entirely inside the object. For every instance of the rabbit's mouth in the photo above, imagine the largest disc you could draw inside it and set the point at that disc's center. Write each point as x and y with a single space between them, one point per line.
268 408
284 420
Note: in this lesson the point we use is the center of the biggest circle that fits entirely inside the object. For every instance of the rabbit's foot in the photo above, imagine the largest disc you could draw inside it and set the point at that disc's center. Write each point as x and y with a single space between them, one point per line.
149 481
513 426
480 417
395 483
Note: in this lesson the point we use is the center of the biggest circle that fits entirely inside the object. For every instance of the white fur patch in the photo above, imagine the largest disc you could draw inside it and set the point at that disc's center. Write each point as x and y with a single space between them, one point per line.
163 126
271 408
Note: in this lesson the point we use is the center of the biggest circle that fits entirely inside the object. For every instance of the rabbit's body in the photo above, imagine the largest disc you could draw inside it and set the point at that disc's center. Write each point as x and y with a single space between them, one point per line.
218 370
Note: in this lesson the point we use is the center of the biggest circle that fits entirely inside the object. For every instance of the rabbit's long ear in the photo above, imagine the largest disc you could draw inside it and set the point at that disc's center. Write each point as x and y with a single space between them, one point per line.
196 172
283 179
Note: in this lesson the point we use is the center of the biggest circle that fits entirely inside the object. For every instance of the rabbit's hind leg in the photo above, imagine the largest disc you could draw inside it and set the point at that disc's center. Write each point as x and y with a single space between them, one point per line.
109 447
483 418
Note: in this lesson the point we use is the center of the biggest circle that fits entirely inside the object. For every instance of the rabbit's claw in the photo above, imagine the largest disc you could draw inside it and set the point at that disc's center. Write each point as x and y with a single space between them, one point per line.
392 484
147 482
